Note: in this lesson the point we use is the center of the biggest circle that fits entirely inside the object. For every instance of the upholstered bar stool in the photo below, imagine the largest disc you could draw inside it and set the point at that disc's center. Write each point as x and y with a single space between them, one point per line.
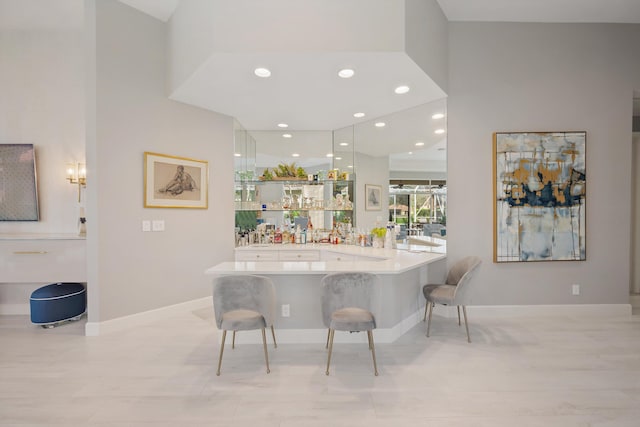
241 303
452 291
347 305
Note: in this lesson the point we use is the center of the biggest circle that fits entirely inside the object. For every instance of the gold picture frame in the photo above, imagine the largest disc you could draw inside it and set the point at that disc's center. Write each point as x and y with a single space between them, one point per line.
539 196
175 182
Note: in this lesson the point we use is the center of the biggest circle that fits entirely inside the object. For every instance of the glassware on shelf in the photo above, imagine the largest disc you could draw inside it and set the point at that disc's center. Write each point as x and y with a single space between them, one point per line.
286 202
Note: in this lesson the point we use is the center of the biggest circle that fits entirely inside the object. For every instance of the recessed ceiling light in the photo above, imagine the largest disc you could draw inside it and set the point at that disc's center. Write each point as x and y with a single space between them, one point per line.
439 131
380 124
344 144
286 135
350 166
295 155
338 158
237 154
329 154
401 89
419 144
262 72
410 153
283 125
346 73
358 115
437 116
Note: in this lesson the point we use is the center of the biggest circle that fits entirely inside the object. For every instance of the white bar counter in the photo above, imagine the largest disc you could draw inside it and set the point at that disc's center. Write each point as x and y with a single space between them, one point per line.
298 269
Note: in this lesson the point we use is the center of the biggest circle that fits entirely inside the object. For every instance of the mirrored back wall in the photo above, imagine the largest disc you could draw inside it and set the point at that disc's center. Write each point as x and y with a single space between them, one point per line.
413 140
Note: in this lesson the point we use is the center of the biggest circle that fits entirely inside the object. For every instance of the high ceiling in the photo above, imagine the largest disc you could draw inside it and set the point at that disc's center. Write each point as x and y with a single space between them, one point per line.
618 11
326 105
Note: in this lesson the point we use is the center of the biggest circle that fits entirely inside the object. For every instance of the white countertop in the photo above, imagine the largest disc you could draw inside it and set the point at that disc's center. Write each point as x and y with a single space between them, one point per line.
389 261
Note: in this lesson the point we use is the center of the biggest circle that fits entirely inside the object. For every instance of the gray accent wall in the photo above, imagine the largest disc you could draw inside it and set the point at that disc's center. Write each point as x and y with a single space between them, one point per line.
426 34
131 271
543 77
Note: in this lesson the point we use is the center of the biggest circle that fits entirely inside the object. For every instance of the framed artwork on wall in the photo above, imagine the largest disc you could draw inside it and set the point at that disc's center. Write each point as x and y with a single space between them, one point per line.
175 182
539 187
18 183
372 197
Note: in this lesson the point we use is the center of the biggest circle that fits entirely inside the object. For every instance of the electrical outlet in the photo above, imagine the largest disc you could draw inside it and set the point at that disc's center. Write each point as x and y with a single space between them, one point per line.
285 310
575 289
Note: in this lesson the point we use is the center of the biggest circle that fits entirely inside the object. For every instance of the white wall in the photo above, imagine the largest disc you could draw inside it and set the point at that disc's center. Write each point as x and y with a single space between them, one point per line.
426 33
132 271
41 103
543 77
635 247
375 171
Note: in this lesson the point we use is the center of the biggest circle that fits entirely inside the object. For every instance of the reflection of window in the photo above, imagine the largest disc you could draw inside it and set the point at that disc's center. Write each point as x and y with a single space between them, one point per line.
417 204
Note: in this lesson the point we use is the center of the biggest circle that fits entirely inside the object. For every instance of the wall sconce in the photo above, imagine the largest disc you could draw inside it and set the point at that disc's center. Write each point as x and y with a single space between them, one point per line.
77 174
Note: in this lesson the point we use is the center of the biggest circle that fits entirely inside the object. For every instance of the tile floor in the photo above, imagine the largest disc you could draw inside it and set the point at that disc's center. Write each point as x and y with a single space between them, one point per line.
558 371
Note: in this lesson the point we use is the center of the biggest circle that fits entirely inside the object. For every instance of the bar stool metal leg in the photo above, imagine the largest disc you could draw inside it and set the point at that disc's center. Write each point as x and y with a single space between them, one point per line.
330 338
373 352
273 333
224 336
466 325
264 344
430 314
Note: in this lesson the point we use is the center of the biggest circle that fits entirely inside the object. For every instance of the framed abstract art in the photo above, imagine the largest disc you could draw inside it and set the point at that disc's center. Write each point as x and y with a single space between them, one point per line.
539 186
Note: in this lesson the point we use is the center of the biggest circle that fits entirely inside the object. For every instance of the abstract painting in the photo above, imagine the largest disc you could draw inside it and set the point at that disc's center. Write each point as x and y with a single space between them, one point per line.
539 196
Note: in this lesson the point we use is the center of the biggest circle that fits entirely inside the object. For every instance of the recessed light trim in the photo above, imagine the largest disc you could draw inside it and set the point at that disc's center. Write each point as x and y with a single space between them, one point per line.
438 131
262 72
419 144
346 73
283 125
437 116
401 90
350 166
338 158
287 135
344 144
329 154
295 155
237 154
380 124
358 115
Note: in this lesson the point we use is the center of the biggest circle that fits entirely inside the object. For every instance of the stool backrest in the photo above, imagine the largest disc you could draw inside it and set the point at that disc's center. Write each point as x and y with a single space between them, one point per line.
248 292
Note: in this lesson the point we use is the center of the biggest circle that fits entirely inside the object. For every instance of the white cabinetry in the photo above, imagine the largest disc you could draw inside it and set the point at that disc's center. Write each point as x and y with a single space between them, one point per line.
299 256
42 259
256 256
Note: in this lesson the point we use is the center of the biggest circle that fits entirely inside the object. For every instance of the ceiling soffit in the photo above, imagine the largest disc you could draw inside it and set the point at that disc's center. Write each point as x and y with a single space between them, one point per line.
215 46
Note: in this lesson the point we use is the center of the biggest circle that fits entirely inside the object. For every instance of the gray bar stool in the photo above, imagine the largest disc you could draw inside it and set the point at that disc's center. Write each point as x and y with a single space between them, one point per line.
347 305
241 303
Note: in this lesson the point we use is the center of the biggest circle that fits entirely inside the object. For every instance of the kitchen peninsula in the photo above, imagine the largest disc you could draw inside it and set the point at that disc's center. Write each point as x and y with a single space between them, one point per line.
298 269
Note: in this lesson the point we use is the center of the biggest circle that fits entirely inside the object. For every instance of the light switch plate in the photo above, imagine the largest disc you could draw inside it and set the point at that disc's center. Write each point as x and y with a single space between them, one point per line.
157 225
146 225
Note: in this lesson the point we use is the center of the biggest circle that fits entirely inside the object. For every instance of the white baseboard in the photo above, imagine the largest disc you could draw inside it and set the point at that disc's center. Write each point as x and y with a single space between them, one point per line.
381 335
514 311
93 329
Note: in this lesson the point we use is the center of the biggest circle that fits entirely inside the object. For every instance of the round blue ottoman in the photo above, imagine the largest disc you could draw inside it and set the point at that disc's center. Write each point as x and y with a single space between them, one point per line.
58 302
